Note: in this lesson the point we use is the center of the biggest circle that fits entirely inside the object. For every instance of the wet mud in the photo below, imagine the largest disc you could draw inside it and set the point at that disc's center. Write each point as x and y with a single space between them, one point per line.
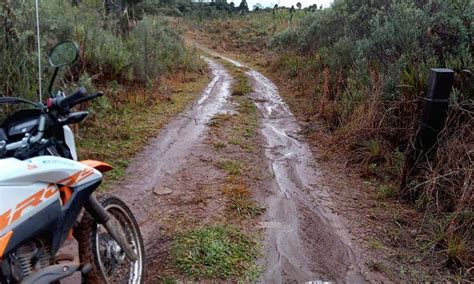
305 240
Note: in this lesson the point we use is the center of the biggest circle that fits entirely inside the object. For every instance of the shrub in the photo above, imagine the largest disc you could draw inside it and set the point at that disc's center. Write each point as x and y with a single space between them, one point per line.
137 51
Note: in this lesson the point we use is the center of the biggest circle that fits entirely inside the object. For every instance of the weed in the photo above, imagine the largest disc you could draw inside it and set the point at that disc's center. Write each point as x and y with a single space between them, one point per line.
217 252
456 248
385 191
248 132
219 145
376 266
375 244
232 167
241 201
219 120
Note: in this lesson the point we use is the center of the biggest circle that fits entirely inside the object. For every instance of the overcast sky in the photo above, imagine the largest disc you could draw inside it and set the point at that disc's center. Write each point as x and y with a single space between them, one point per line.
287 3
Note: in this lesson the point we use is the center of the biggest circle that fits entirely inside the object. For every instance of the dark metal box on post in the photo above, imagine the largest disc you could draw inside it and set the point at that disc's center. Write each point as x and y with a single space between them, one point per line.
433 119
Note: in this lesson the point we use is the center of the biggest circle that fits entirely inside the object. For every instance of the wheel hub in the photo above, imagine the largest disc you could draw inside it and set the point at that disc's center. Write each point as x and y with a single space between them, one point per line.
114 252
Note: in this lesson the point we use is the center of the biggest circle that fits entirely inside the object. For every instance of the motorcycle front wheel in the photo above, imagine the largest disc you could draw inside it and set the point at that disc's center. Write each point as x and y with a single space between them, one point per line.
96 246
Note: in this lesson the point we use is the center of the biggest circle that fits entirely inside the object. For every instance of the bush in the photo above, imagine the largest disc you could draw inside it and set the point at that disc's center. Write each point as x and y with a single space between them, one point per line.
113 48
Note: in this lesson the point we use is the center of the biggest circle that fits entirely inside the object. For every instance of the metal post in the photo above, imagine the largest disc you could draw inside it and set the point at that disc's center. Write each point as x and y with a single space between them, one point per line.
433 119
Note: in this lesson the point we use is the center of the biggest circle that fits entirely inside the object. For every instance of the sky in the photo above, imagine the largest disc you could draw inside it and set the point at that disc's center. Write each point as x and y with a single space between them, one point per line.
287 3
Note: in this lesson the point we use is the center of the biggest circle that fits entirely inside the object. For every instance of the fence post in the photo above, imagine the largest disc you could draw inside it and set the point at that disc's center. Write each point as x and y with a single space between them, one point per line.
433 119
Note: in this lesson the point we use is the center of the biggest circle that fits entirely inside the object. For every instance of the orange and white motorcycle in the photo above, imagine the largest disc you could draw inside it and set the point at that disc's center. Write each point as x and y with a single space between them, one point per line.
46 197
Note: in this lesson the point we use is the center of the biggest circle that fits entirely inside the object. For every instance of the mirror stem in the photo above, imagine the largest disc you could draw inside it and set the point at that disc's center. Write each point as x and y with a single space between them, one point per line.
50 88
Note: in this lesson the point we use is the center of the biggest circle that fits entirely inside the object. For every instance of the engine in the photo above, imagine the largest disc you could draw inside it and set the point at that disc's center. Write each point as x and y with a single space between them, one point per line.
28 258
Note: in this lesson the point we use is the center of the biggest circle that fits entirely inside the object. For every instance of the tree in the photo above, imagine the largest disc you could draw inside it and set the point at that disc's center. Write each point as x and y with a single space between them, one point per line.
243 7
257 7
119 6
298 5
231 7
274 8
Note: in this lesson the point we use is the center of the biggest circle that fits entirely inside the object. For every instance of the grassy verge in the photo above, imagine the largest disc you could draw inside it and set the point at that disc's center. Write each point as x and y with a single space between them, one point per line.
117 131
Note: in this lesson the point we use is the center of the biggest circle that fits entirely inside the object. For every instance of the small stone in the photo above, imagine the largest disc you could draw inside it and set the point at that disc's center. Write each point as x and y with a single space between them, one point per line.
162 190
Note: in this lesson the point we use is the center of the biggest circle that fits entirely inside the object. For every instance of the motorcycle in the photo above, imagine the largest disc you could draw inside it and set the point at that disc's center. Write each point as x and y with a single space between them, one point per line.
47 197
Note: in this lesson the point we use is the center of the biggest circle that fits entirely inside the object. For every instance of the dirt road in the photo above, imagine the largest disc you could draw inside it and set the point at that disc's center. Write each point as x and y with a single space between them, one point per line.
166 183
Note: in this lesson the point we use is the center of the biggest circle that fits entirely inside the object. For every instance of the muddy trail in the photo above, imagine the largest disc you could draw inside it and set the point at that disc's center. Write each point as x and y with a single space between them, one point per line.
174 184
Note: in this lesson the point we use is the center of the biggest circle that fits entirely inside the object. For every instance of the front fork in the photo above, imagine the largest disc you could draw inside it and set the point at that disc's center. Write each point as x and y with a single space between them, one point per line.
101 216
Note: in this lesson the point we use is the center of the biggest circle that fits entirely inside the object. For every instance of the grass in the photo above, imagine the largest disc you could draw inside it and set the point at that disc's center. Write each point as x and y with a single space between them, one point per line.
385 191
219 120
375 244
247 119
219 145
217 252
231 167
241 202
241 86
117 130
240 130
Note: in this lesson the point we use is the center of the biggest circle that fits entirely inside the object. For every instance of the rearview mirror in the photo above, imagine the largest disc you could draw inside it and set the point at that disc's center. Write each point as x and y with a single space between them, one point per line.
63 54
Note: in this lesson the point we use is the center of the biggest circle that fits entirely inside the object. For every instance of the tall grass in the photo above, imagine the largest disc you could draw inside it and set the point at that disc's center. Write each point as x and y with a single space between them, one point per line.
137 51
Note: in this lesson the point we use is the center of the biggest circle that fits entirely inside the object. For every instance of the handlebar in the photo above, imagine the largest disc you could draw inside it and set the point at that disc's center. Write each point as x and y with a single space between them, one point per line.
59 103
72 100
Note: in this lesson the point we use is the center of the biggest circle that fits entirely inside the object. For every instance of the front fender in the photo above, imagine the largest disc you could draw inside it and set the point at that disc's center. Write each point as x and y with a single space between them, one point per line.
98 165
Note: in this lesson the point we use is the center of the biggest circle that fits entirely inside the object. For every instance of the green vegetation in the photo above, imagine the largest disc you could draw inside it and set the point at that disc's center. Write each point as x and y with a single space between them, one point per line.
241 201
218 252
241 86
113 47
231 167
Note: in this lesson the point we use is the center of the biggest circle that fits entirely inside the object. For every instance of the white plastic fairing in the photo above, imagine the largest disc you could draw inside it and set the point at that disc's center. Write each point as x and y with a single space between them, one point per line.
70 142
28 186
